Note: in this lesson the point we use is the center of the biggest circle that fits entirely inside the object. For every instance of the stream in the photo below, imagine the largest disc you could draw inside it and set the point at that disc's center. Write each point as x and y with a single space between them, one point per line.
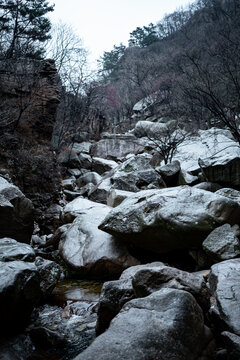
65 326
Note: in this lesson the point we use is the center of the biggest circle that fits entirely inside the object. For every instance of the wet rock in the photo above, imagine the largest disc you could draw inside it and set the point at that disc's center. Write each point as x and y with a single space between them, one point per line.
224 286
16 348
103 165
222 244
116 146
89 177
206 185
68 184
49 273
16 213
115 294
19 293
91 251
85 161
168 219
148 280
11 250
116 197
165 325
100 192
232 344
135 174
230 193
170 173
83 147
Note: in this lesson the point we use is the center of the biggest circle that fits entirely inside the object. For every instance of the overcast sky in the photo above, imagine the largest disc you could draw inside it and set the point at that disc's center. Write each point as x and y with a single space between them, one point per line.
104 23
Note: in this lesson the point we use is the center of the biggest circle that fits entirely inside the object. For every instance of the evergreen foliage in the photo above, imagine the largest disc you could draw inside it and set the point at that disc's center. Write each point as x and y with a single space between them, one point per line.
23 26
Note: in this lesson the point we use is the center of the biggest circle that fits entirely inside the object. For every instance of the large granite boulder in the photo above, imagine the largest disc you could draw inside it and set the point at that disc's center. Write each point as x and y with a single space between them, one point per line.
116 146
16 213
103 165
91 251
224 281
89 177
19 293
11 250
99 193
222 244
116 197
170 173
75 208
168 219
136 173
49 273
214 147
166 325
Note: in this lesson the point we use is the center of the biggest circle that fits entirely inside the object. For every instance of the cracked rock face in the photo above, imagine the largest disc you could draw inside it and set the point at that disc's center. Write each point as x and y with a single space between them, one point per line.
167 324
224 282
167 219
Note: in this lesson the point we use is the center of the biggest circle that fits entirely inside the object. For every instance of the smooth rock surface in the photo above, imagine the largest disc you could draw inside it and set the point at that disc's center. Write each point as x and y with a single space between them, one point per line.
163 326
11 250
224 281
222 244
91 251
168 219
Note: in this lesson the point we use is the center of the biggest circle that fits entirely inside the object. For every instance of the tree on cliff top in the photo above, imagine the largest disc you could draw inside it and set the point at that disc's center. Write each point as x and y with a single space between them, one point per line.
23 26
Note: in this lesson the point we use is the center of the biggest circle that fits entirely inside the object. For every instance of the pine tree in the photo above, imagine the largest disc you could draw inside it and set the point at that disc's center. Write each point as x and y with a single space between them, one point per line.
23 26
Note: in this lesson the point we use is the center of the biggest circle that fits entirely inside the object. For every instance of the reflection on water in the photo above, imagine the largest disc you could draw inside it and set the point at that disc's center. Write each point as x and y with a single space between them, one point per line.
69 315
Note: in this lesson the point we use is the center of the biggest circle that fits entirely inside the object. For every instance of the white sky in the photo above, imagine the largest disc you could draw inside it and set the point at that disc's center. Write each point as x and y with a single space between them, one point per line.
105 23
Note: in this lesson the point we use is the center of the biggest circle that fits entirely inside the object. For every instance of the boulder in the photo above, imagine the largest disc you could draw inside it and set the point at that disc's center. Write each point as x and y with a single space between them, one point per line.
186 178
151 279
90 251
11 250
135 174
169 219
85 161
206 185
103 165
115 294
222 244
89 177
19 293
75 208
224 281
230 193
116 146
49 273
116 197
170 173
99 193
68 184
83 147
166 325
232 344
149 129
16 213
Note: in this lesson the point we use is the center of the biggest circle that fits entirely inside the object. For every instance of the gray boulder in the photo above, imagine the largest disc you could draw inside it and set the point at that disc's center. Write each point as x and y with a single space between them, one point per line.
230 193
136 173
91 251
170 173
222 244
49 273
116 146
163 326
232 344
151 279
16 213
168 219
76 207
115 294
83 147
116 197
85 161
103 165
99 193
19 293
11 250
206 185
68 157
89 177
224 281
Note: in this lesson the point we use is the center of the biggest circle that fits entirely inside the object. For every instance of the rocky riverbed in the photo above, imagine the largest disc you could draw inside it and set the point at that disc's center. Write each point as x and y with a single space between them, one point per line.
143 263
